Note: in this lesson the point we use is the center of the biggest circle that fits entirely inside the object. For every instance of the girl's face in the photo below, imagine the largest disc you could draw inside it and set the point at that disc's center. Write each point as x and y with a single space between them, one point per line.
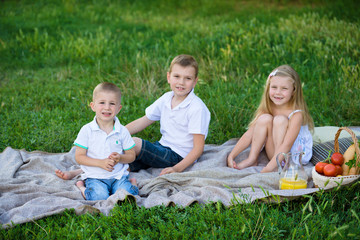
281 90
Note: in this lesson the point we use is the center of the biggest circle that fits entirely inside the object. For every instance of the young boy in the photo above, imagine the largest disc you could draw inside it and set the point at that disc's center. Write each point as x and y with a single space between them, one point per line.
184 122
104 148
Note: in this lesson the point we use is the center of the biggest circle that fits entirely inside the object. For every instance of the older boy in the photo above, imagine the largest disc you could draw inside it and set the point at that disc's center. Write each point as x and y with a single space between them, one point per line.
184 122
104 147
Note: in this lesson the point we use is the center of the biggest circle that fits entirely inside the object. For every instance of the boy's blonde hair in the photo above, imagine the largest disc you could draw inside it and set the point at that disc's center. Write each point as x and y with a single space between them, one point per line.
297 99
107 87
185 61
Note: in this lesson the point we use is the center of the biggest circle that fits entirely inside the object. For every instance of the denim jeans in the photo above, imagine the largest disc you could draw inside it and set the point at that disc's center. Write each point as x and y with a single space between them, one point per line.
154 155
101 189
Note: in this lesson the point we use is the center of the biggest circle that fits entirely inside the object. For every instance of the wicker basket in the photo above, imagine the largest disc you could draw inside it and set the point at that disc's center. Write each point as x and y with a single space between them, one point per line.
330 182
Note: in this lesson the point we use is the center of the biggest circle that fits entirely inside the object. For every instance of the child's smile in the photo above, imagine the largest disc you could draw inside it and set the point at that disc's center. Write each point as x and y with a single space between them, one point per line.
281 90
106 106
107 114
182 80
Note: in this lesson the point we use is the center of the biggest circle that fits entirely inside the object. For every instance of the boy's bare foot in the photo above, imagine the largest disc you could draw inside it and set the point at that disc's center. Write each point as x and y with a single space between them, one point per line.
68 175
133 181
80 185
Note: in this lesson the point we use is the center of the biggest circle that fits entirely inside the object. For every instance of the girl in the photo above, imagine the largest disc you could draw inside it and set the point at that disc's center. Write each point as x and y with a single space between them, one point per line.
282 122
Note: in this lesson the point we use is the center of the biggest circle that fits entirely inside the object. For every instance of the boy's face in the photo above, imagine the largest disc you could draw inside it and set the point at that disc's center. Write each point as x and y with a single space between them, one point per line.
182 80
106 105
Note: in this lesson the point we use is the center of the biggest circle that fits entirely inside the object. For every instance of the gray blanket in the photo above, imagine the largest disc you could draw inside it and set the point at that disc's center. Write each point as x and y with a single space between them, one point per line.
30 190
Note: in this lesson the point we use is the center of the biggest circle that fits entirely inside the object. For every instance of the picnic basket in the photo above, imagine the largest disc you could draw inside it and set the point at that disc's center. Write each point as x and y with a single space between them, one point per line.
330 182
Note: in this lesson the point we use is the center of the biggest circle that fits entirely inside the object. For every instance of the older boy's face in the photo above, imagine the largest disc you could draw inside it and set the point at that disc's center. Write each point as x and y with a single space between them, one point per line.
182 80
106 105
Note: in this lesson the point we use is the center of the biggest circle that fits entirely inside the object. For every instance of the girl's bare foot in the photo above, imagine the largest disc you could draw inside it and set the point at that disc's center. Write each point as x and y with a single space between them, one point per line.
68 175
246 163
235 165
80 185
133 181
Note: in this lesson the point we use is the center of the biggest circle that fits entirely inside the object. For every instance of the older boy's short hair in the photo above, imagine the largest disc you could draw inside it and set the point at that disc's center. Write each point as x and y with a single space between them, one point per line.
107 87
185 61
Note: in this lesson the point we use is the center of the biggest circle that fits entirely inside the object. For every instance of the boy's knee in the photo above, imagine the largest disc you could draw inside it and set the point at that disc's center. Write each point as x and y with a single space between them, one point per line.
134 190
138 145
125 184
280 120
92 195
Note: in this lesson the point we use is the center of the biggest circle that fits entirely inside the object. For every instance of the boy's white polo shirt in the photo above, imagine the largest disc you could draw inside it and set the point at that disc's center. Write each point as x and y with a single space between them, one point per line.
178 125
99 145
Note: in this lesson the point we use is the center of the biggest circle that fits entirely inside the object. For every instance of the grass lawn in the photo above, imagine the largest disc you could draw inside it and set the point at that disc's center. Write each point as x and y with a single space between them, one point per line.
53 53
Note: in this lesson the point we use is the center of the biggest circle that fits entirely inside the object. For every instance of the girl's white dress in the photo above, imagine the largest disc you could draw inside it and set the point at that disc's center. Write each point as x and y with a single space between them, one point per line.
303 142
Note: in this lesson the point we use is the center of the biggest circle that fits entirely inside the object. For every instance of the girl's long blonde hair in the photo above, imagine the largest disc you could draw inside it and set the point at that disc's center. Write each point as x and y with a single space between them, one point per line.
297 99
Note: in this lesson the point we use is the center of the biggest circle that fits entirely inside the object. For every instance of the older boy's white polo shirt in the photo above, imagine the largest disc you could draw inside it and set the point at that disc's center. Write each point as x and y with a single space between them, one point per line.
178 125
100 145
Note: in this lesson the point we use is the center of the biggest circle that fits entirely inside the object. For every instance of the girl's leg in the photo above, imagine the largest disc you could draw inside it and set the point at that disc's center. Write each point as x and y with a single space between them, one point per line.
262 129
68 175
269 144
280 125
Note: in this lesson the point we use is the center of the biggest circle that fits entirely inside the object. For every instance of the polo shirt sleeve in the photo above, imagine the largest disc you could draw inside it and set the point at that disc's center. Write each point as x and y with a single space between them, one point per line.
128 142
153 112
199 120
82 139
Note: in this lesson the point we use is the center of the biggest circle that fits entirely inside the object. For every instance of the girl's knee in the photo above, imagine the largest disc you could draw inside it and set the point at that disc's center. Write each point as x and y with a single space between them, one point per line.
265 119
280 120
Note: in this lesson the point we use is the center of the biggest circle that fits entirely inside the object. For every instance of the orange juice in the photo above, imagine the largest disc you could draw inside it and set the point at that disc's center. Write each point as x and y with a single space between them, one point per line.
290 183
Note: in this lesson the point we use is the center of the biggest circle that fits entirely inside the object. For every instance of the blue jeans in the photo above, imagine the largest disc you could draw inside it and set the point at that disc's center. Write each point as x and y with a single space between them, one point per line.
101 189
154 155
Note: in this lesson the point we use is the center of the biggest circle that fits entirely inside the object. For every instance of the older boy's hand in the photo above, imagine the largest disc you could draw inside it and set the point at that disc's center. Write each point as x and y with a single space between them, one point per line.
167 171
108 164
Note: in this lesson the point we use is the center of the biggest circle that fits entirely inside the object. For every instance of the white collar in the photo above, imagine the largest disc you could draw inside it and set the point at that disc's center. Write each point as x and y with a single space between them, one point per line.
95 127
185 102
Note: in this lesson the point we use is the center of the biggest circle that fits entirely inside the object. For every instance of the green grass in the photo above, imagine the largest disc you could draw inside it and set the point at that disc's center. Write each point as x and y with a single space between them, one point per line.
53 53
333 215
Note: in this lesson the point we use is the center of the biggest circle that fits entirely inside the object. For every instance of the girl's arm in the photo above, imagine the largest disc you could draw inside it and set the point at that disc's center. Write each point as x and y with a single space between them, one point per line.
127 157
82 159
195 153
292 132
138 125
240 146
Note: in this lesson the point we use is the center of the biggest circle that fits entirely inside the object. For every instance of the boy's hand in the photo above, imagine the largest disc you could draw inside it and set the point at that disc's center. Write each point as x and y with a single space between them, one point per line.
115 156
108 164
167 171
